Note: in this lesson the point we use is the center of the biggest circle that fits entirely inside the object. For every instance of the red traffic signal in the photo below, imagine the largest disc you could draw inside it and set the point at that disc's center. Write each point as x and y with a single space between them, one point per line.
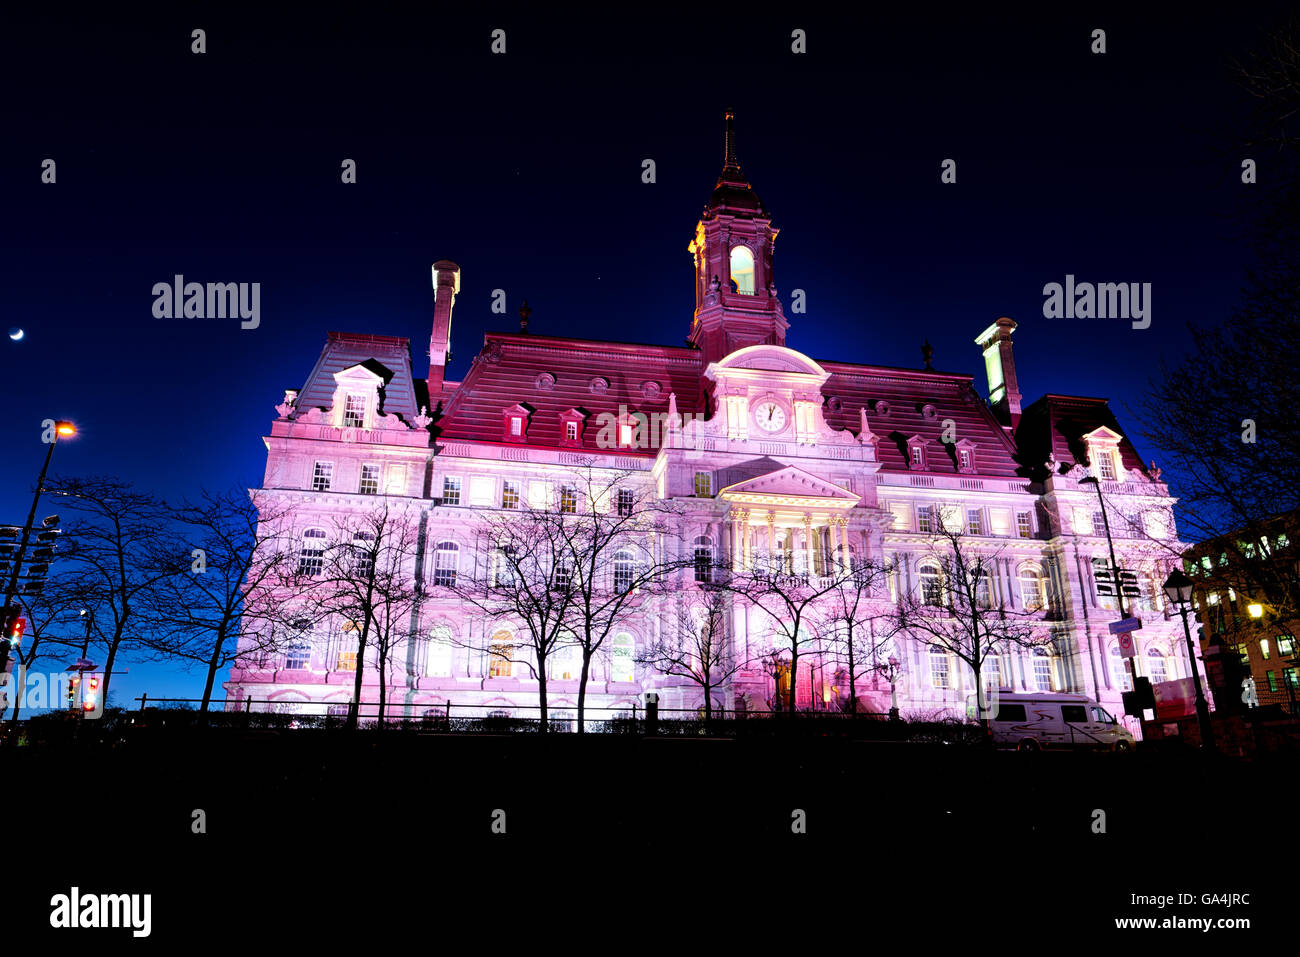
91 693
16 630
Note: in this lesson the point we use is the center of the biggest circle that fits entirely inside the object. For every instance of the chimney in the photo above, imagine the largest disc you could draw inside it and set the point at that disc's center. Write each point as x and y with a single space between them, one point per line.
446 283
1004 392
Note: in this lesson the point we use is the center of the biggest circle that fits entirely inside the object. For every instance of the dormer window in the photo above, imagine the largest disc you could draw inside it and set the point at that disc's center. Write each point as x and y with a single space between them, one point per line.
515 423
965 456
916 458
1103 454
632 431
571 428
354 411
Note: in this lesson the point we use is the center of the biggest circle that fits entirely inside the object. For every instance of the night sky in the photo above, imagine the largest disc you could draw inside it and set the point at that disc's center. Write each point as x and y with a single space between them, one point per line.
526 170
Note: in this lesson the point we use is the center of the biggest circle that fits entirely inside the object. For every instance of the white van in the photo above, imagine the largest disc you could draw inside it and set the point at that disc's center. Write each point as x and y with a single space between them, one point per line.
1030 722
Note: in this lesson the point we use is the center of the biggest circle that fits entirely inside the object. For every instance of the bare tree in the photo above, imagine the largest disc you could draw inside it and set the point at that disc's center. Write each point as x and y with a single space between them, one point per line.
367 579
699 648
526 579
791 596
113 558
618 539
229 560
955 610
856 625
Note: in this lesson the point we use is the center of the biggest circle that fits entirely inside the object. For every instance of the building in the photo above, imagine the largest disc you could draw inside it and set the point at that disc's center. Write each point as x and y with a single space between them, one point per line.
820 462
1246 601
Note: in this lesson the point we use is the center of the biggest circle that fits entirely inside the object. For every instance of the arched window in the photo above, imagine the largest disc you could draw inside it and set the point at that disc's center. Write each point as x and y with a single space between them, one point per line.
703 559
439 657
940 669
1156 669
931 584
298 655
446 560
1044 670
1119 674
1031 587
624 565
502 655
742 270
622 666
983 588
566 659
363 554
311 559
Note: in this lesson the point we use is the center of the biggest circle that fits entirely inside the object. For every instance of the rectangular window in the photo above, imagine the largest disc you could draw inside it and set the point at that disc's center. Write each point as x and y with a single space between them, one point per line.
347 661
323 476
370 480
500 664
1263 648
354 412
918 455
568 500
625 501
939 670
1272 680
925 518
450 491
1285 646
974 522
509 494
1074 713
1106 465
963 456
1011 712
571 431
703 484
1024 525
516 425
1098 523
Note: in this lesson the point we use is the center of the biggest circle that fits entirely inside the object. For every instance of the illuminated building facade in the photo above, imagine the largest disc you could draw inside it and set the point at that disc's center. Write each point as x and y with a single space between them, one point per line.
825 462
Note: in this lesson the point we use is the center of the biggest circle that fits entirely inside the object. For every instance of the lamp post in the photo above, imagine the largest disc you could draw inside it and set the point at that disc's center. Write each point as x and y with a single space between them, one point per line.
8 614
891 673
1114 565
1178 589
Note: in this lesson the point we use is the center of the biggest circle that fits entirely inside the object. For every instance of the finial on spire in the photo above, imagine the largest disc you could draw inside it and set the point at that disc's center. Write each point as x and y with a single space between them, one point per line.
524 313
927 353
730 159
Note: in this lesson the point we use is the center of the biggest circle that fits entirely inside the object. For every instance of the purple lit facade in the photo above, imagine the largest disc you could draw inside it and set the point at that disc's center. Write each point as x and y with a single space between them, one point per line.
827 461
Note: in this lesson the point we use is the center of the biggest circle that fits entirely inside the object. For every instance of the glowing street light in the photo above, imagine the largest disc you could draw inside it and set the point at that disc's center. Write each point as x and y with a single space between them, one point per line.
9 610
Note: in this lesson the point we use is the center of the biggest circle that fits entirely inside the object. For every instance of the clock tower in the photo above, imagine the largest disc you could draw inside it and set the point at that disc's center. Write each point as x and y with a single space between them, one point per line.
736 302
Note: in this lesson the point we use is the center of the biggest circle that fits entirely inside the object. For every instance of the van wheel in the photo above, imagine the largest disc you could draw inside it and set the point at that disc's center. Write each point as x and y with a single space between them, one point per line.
1123 746
1028 744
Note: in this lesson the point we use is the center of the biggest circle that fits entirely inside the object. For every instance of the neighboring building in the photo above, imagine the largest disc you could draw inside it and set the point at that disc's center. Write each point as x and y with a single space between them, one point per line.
1246 600
822 461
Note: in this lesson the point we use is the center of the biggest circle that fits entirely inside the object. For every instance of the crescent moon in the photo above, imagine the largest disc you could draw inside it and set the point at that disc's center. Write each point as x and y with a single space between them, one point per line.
16 334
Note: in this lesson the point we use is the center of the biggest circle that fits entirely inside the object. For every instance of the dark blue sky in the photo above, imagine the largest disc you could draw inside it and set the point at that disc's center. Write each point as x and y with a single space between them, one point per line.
525 169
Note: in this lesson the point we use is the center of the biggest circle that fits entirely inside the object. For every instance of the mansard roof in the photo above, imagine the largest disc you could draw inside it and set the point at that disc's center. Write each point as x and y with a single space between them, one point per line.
387 356
1057 424
902 403
556 375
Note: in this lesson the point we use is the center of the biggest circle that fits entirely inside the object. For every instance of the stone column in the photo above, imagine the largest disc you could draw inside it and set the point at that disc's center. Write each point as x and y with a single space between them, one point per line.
745 530
737 542
807 544
846 564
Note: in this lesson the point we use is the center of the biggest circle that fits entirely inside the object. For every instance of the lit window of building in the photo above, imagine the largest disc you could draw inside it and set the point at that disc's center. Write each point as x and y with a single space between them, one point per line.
369 480
322 476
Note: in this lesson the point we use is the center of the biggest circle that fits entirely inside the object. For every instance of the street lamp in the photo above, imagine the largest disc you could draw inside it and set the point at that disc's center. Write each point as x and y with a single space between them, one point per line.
8 614
1114 565
1178 589
891 672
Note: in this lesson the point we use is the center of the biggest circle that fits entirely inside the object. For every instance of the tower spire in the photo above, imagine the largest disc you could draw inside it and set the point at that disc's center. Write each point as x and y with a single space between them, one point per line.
729 160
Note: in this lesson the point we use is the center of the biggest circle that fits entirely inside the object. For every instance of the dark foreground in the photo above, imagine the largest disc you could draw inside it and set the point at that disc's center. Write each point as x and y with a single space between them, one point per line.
665 845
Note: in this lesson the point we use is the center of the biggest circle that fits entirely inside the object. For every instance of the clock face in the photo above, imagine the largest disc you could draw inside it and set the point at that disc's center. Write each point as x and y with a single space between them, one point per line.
769 416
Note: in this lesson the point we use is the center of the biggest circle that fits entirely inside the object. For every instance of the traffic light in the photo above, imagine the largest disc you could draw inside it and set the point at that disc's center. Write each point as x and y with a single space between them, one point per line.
73 687
16 630
90 699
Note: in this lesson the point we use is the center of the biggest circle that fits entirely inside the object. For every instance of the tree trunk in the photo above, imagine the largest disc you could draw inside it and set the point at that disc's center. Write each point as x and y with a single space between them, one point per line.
108 666
794 671
853 680
541 696
213 667
582 691
354 712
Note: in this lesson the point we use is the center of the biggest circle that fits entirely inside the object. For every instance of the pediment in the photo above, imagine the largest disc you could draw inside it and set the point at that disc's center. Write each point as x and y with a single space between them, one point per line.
790 482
